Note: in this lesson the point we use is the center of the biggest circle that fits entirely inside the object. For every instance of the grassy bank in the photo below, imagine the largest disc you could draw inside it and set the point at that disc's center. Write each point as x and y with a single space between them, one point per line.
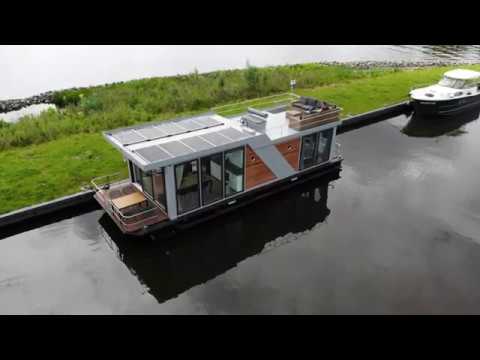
123 104
53 155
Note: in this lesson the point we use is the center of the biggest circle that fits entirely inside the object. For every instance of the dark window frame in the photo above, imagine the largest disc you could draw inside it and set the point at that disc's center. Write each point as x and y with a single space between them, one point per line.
243 148
147 174
156 172
198 185
315 148
222 165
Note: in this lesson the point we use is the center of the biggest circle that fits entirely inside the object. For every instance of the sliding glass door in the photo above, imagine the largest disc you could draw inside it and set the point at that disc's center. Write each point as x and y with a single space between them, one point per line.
316 148
212 178
234 171
307 158
187 186
147 183
159 188
324 145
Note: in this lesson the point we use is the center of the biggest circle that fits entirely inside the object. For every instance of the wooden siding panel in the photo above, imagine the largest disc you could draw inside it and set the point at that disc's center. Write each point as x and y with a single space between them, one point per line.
252 157
256 171
258 174
290 151
292 159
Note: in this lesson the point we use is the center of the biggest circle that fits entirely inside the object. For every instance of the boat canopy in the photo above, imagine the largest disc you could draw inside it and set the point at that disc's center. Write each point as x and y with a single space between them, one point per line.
462 74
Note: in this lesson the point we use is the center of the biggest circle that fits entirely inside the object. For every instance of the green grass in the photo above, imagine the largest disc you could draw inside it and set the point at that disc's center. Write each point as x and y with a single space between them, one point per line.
363 95
55 154
43 172
111 106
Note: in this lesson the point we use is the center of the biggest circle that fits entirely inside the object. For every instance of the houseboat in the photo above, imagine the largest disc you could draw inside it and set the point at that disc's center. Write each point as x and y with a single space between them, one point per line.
187 170
457 91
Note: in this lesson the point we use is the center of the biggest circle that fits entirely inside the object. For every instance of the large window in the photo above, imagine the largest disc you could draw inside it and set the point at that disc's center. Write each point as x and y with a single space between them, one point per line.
144 179
187 184
147 184
234 169
138 174
212 182
324 145
131 168
307 158
316 148
159 188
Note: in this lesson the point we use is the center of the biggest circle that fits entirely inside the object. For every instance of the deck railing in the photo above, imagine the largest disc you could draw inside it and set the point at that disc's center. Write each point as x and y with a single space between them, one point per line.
139 220
131 222
105 182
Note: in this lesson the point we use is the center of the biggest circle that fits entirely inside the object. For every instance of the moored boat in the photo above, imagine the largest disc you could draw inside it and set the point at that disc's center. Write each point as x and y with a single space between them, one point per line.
187 170
457 91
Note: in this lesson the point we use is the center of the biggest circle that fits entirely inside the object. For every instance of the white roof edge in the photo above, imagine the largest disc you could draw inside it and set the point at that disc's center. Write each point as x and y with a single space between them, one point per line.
463 74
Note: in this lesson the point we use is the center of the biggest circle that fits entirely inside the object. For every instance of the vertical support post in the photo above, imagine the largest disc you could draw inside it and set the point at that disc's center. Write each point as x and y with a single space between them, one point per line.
334 143
171 193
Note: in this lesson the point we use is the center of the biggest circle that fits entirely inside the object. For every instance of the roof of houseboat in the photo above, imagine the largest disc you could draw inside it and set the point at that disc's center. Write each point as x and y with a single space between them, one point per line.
169 141
165 142
462 74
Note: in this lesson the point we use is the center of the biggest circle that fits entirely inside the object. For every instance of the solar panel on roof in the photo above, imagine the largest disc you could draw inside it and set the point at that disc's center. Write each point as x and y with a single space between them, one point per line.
197 143
151 132
190 125
153 153
233 134
170 129
215 138
207 121
176 148
128 137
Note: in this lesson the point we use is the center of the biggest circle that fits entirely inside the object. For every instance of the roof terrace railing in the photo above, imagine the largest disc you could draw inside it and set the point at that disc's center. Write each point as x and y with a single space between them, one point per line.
260 103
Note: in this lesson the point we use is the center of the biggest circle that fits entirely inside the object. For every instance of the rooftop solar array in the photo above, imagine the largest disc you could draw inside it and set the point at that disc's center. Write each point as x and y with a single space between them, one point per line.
158 131
153 153
173 149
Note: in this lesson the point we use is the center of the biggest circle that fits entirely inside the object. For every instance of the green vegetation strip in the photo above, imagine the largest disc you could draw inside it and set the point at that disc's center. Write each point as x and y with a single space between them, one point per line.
56 153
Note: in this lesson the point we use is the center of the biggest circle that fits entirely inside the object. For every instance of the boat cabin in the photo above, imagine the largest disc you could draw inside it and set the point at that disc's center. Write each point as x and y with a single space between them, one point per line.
457 90
194 165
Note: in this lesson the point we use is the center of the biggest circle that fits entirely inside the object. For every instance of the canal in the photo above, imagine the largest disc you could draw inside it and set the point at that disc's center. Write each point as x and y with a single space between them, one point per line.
395 231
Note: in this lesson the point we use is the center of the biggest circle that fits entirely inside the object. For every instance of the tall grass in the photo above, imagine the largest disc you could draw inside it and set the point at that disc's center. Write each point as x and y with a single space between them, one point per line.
94 109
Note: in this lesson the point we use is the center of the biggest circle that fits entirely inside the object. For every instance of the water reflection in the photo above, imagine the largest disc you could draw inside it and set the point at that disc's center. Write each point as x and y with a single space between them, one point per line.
169 264
419 126
32 110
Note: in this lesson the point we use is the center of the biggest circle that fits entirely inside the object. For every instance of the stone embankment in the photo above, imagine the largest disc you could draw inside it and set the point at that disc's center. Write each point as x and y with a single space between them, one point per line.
398 64
17 104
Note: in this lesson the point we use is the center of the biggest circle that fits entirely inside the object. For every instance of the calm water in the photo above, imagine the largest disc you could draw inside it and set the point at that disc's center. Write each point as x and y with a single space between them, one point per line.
28 70
396 232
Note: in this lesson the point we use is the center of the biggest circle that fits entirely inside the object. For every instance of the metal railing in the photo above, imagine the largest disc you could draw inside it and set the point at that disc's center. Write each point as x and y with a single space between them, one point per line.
129 222
104 182
139 220
262 102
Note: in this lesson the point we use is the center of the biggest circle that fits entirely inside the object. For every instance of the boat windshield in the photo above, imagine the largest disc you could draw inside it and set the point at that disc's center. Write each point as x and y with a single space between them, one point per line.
452 83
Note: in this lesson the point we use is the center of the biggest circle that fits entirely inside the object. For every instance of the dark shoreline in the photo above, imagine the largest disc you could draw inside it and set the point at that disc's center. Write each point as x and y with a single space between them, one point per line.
10 105
7 106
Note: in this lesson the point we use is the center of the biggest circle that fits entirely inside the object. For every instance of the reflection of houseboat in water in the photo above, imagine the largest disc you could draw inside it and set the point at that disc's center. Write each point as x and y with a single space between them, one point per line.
170 267
184 171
